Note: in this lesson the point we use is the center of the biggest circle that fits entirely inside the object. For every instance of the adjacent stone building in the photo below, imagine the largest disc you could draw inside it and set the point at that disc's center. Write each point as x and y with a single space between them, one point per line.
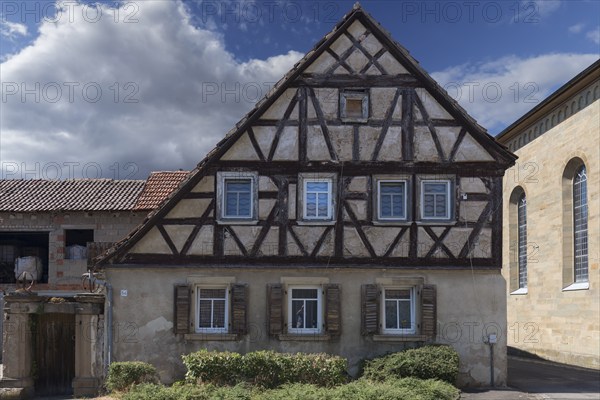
551 244
356 210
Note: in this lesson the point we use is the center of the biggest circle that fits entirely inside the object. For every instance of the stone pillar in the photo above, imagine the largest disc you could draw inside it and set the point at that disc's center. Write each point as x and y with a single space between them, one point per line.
89 307
17 355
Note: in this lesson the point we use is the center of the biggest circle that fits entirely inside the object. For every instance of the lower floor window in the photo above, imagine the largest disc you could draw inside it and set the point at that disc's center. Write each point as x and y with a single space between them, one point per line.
211 310
399 310
304 310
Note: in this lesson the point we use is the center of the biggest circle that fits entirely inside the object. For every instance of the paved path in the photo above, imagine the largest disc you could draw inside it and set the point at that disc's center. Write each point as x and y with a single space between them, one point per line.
553 381
541 380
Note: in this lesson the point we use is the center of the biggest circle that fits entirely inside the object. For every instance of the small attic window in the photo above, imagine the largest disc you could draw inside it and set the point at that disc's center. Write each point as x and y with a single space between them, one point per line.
354 105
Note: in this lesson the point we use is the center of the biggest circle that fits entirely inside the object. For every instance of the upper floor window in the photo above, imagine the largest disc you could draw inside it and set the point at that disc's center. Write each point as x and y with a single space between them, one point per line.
580 224
317 199
238 198
354 105
435 199
236 194
522 222
391 203
317 196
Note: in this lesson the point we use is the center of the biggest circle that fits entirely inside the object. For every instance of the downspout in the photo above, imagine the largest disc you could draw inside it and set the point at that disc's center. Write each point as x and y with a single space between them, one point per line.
109 316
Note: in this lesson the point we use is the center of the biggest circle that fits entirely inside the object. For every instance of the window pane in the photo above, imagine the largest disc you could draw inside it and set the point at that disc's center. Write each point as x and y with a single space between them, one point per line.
298 314
405 317
205 313
580 225
219 314
212 293
311 314
244 202
392 187
428 207
317 186
440 205
435 187
522 236
323 204
391 315
311 205
304 293
397 294
385 205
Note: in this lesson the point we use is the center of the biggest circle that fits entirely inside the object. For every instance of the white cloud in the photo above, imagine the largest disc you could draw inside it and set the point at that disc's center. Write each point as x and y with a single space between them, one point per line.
577 28
12 29
594 35
186 89
541 7
498 92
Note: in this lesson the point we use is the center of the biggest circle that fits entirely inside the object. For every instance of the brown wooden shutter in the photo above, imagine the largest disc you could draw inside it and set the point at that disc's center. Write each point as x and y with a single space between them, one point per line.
370 309
429 311
239 305
182 309
275 308
333 315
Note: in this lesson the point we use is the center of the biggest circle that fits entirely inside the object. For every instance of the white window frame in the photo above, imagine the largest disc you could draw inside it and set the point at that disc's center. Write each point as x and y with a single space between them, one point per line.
222 178
448 184
405 205
290 317
305 183
413 309
197 327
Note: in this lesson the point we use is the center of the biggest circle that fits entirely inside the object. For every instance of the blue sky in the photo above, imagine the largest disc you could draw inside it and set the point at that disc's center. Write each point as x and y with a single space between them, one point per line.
153 61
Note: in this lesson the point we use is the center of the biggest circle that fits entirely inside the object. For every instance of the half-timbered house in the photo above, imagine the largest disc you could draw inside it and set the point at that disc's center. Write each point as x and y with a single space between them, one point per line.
355 210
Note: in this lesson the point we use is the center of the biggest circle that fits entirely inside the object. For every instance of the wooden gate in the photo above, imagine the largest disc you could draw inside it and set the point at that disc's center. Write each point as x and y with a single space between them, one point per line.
54 353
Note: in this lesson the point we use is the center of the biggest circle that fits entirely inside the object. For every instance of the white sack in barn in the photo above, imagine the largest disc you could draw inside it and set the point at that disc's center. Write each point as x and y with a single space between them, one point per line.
30 265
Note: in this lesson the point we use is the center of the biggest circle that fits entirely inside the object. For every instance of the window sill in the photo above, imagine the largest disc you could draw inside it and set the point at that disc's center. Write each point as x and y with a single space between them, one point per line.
519 291
220 337
315 222
316 337
577 286
392 222
237 222
436 222
399 338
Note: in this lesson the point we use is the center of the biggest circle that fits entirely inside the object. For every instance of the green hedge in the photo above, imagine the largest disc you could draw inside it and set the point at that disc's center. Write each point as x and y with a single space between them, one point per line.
428 362
362 389
264 368
123 375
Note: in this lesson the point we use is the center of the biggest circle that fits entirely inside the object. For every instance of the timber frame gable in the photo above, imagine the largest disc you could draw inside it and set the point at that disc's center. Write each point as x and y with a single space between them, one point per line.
412 128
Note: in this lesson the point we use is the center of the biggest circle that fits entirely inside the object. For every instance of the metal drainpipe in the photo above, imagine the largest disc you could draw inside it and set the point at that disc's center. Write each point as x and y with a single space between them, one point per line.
109 317
492 363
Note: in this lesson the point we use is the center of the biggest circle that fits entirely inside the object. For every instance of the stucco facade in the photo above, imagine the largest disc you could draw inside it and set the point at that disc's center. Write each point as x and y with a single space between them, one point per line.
551 315
144 327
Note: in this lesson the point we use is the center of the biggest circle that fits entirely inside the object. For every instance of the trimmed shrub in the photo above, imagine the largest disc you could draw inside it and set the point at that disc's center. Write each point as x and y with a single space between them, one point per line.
218 367
264 368
428 362
362 389
123 375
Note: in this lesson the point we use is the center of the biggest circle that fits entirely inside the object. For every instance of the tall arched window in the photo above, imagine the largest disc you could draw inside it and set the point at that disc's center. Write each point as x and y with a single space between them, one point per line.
522 223
580 225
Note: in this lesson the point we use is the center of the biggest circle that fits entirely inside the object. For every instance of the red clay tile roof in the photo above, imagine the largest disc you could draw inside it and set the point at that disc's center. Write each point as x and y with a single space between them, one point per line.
158 187
88 194
69 195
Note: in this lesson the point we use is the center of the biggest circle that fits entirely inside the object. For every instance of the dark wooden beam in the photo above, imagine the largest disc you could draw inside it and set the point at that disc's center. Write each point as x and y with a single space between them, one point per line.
403 81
